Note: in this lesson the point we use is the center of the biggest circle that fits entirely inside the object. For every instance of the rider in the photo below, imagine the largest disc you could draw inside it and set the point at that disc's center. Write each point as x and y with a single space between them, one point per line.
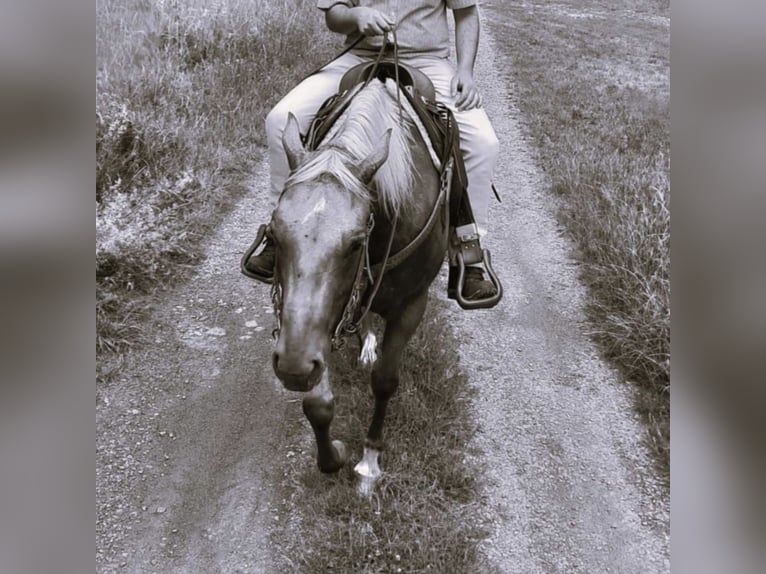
423 43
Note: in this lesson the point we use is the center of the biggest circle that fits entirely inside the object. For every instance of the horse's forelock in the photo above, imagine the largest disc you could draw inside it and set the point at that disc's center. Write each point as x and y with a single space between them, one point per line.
330 161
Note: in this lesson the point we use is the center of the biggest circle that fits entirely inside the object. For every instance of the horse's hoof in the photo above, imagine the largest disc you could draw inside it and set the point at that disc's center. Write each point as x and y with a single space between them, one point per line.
339 458
368 472
341 453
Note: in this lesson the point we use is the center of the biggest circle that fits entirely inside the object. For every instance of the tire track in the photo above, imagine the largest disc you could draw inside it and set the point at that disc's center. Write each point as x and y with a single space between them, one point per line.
190 434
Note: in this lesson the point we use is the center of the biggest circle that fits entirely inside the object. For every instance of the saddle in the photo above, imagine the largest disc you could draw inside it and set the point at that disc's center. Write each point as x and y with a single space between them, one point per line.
408 77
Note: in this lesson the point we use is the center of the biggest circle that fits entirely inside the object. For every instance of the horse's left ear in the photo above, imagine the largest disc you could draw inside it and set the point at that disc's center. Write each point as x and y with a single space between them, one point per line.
369 165
291 140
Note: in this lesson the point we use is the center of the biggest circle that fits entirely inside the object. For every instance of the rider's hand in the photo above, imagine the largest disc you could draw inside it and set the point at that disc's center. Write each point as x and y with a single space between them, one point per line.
372 22
465 92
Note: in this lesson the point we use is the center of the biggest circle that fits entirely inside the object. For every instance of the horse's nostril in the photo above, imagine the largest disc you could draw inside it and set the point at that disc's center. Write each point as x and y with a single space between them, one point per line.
296 366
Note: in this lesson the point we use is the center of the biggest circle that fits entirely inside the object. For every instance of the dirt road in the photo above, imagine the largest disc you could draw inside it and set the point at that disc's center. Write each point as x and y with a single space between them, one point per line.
571 488
191 429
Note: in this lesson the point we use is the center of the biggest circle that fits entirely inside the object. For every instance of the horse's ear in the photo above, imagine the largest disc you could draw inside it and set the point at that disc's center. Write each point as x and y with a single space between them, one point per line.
368 166
291 140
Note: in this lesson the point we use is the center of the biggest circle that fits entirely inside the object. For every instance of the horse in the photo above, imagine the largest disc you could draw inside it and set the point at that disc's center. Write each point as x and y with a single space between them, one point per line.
361 225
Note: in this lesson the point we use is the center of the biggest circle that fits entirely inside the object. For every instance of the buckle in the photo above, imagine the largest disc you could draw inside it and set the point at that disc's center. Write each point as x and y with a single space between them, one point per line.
468 244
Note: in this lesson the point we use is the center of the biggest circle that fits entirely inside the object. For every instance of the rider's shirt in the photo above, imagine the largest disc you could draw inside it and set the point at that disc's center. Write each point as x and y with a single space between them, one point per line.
421 25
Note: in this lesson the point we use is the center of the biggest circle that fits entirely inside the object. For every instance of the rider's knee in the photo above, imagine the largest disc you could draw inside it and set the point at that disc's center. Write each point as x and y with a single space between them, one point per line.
276 120
480 143
490 145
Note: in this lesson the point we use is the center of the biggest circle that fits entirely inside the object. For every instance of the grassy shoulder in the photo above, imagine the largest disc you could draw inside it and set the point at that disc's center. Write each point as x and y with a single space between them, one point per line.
182 92
592 82
425 514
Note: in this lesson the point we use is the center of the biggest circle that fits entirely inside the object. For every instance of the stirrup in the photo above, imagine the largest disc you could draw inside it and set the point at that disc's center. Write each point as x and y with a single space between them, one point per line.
260 240
485 303
466 250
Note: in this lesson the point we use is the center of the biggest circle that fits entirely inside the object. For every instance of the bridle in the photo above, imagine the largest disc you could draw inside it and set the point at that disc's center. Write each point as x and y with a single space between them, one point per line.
368 277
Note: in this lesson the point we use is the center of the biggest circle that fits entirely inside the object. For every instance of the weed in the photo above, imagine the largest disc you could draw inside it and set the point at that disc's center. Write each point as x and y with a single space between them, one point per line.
182 92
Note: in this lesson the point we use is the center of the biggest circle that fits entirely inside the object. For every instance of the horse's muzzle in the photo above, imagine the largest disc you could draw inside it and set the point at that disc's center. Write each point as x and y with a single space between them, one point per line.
298 373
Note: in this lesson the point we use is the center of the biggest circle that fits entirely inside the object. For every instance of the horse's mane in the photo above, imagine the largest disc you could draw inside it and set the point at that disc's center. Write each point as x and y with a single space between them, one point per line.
355 134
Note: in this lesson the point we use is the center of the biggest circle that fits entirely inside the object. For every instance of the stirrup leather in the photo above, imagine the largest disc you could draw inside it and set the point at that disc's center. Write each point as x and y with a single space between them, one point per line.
465 249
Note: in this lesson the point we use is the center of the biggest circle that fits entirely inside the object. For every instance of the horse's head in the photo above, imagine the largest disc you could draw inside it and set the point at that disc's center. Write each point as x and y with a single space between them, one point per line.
319 228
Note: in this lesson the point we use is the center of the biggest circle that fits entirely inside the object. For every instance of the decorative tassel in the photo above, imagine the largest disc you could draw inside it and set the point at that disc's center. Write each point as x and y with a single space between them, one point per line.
369 355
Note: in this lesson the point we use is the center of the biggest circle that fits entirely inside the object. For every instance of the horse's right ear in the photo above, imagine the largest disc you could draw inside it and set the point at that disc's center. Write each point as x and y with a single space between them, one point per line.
368 166
291 140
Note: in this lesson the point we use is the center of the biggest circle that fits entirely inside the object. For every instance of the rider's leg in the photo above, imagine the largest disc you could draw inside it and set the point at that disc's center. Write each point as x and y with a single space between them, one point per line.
478 141
303 101
480 148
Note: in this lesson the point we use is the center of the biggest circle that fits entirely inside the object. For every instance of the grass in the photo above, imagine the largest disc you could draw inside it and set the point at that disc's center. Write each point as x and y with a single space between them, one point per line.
182 92
592 82
424 515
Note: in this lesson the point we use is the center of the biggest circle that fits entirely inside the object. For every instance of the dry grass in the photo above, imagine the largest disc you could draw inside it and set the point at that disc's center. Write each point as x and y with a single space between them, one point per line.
592 81
182 92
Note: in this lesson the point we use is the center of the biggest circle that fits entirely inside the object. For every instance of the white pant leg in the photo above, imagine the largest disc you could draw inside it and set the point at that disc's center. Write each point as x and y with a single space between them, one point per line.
478 141
303 101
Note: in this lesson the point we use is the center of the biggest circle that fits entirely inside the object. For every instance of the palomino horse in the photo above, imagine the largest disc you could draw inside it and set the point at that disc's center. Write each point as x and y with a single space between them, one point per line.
369 195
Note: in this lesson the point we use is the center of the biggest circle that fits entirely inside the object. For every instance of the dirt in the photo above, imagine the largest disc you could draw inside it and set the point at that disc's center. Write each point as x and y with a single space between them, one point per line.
570 485
192 429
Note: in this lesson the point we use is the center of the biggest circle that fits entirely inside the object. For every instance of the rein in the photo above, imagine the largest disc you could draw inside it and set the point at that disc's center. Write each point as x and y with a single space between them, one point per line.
347 324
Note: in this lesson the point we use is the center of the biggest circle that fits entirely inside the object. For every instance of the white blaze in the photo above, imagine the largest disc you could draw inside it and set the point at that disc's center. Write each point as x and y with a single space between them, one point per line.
319 207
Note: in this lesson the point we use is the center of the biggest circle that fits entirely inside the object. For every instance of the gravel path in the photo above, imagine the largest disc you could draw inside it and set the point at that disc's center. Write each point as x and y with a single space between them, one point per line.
191 430
569 484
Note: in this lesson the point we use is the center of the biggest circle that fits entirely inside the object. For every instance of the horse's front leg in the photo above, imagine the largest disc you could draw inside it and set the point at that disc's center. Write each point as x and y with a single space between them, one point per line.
319 408
385 380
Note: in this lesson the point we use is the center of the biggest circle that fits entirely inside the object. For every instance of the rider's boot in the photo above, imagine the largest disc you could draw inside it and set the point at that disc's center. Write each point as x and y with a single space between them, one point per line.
476 286
467 282
262 264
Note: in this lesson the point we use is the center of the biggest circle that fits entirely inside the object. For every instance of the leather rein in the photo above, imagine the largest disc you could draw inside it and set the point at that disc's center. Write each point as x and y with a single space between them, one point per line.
348 324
